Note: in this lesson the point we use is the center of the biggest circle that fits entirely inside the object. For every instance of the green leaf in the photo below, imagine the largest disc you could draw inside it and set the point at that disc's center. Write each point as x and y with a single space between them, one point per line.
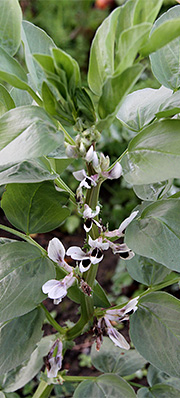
146 11
35 208
6 101
159 391
154 154
23 272
35 41
165 62
170 107
155 376
12 72
10 25
146 271
153 192
20 337
140 107
23 374
99 296
34 170
154 330
112 359
114 91
21 97
156 233
129 43
105 386
27 132
101 63
162 35
65 62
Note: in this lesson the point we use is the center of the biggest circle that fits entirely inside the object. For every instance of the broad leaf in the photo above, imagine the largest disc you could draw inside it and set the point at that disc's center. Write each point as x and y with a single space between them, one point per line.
154 154
23 272
170 107
99 296
161 35
35 208
159 391
65 62
155 376
35 41
146 271
101 63
146 11
156 233
129 44
114 91
34 170
17 378
10 25
105 386
12 72
153 192
154 330
165 62
140 107
6 101
21 97
112 359
18 339
26 133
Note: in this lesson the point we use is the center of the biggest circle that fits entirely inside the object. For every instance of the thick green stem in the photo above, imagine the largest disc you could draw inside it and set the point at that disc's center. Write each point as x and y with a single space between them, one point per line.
61 184
52 320
43 390
78 378
27 238
67 136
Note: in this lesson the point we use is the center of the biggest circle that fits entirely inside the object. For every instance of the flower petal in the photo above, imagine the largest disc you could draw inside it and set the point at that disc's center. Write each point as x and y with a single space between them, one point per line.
84 265
49 285
115 336
76 253
127 221
79 175
58 291
56 250
115 172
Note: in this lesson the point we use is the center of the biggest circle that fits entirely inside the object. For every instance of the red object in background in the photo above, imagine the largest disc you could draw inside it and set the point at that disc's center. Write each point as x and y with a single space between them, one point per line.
102 4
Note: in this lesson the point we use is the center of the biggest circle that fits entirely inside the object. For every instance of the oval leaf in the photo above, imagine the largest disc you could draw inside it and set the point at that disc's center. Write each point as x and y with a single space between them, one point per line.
155 331
154 154
146 271
156 233
106 386
23 272
35 208
10 25
20 343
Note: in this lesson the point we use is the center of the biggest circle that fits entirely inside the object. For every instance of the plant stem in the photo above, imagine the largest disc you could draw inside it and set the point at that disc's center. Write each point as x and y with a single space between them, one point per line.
52 320
23 236
118 159
35 96
61 184
78 378
43 390
69 139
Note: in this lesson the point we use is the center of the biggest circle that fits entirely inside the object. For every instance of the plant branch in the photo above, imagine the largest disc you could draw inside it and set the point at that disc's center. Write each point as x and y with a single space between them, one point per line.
52 320
27 238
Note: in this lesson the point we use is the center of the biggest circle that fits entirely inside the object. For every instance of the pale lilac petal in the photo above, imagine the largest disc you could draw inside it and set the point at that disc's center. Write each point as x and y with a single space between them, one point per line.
127 221
69 280
95 160
79 175
49 285
98 243
127 255
131 306
119 247
115 172
54 368
56 250
115 336
89 213
58 291
76 253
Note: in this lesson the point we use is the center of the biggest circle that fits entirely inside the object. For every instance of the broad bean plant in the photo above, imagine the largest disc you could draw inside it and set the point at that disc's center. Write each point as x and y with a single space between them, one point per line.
48 120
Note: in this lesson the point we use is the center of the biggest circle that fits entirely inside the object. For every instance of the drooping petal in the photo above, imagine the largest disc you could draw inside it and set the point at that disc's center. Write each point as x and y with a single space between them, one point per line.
84 265
127 255
115 172
54 368
58 292
115 336
76 253
119 247
90 154
79 175
98 243
55 362
127 221
89 213
96 255
49 285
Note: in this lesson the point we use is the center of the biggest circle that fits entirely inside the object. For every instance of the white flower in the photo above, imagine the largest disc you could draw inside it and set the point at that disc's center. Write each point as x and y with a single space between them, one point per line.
57 290
114 173
56 252
89 215
94 256
120 231
98 243
85 180
54 363
122 314
122 249
115 336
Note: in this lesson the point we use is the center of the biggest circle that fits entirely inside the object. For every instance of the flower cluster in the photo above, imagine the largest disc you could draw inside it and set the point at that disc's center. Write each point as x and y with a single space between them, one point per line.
114 315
